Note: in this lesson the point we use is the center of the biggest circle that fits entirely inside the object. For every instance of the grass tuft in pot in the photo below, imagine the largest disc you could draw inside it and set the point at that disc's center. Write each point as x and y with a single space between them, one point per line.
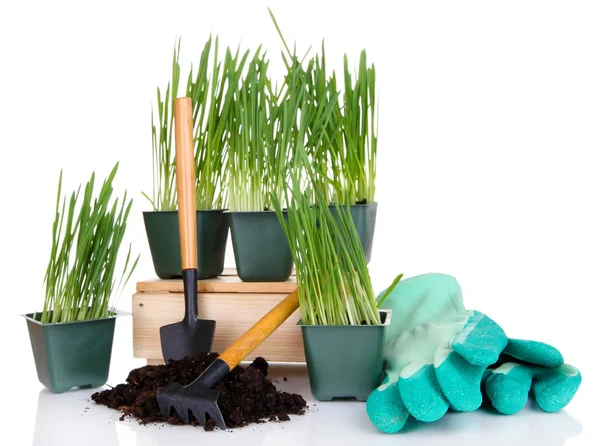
213 90
345 161
354 154
211 85
352 148
252 149
266 124
72 336
264 129
82 276
342 326
164 190
334 286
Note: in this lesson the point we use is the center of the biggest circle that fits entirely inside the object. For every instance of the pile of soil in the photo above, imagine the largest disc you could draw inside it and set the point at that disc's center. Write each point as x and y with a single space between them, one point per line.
246 394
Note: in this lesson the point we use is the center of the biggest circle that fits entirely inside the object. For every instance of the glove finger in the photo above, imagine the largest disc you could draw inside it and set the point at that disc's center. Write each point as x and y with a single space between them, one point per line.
554 388
481 341
460 381
534 352
508 387
385 408
422 394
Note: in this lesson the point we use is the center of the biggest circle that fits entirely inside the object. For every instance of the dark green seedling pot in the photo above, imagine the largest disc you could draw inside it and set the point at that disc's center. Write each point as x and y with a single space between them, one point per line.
162 229
71 354
261 250
344 361
363 216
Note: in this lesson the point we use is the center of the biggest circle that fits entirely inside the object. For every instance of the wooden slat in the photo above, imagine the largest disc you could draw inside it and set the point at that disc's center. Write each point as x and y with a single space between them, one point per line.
160 361
234 312
221 284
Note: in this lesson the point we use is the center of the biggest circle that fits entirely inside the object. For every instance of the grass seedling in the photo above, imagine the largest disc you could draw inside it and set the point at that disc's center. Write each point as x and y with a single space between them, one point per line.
253 114
359 128
213 91
334 286
211 86
81 280
164 191
347 159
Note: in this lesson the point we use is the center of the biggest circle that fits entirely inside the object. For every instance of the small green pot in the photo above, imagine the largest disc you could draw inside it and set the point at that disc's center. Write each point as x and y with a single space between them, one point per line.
363 216
71 354
162 229
344 361
261 250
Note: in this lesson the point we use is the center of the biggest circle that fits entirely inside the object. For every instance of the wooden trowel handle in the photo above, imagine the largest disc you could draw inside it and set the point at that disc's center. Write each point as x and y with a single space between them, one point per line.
241 348
186 182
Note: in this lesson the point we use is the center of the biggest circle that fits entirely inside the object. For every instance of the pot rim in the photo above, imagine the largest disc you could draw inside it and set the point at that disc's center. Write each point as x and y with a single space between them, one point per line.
175 211
355 205
269 211
388 320
116 313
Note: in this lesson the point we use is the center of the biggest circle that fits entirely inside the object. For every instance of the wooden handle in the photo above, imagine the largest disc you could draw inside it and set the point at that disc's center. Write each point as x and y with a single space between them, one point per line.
270 322
185 170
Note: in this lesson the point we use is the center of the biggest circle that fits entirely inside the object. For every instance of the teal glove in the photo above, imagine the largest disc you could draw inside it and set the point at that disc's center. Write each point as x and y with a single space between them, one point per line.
428 316
530 367
436 353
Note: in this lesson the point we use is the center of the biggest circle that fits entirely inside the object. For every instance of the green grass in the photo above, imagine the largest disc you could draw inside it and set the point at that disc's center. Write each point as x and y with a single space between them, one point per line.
82 279
164 189
334 286
266 125
359 129
346 159
250 144
213 103
211 85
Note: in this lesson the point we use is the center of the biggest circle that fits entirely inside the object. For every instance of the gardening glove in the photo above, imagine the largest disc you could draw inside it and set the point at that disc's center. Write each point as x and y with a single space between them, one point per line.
523 366
530 367
436 353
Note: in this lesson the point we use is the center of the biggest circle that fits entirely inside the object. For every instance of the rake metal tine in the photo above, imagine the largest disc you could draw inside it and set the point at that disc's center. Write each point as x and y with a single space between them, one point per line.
217 417
165 407
183 412
200 415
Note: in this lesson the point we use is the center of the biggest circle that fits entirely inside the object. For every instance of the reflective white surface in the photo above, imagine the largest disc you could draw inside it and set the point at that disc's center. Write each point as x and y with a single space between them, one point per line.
72 419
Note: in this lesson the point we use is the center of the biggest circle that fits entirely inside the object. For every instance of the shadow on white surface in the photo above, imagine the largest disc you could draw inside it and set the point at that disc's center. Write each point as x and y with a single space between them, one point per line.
529 427
72 418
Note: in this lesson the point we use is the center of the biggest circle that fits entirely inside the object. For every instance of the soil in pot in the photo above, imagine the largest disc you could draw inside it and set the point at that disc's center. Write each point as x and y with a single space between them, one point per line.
246 394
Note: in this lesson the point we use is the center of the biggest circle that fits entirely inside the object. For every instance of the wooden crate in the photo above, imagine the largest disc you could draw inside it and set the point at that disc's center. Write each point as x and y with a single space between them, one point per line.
234 304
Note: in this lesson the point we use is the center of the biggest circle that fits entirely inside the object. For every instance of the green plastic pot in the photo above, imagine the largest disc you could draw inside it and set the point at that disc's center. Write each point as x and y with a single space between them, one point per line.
162 229
344 361
71 354
363 216
260 248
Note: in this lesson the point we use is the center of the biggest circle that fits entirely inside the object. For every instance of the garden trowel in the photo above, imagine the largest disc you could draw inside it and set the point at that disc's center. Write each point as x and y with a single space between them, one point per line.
191 335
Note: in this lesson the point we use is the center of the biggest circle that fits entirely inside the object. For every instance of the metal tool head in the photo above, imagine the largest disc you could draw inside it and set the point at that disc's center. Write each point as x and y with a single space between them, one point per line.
200 401
186 338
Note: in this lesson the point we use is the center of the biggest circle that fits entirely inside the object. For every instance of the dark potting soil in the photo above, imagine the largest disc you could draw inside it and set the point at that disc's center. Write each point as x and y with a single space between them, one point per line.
246 394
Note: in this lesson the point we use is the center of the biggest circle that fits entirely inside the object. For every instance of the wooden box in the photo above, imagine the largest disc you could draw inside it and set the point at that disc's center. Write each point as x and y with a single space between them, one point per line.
235 305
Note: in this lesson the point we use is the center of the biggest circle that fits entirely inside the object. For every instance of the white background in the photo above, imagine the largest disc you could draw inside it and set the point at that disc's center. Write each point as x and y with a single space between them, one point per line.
487 170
